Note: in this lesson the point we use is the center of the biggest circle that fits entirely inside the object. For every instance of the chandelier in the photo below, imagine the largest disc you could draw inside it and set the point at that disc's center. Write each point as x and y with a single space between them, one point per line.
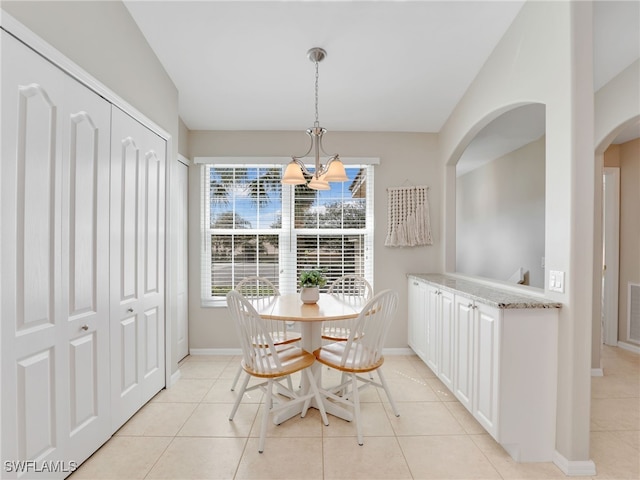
333 170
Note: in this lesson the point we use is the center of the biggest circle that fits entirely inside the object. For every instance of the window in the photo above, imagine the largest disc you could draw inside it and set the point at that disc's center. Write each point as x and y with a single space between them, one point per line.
254 225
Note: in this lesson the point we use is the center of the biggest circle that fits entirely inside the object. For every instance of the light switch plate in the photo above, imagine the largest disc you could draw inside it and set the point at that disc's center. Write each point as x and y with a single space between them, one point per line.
556 281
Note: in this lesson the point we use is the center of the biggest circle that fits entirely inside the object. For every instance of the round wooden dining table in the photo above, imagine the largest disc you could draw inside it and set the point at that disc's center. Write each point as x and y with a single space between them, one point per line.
290 308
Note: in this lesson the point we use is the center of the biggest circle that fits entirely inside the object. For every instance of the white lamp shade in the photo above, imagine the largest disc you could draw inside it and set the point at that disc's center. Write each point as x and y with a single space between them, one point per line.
293 175
336 172
319 183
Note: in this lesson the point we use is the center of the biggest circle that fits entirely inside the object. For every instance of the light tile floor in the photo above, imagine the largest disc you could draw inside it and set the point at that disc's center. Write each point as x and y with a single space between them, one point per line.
184 432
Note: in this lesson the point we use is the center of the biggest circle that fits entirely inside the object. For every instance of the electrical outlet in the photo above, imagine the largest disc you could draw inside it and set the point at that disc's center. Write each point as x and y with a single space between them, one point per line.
556 281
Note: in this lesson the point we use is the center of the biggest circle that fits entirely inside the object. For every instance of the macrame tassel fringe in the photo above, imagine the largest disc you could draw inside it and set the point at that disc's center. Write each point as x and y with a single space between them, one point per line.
408 222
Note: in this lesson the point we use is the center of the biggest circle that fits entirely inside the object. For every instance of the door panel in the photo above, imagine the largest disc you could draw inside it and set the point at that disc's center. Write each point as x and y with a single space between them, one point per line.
463 377
32 347
447 358
128 209
83 398
137 265
85 268
152 223
487 362
36 182
129 356
181 202
36 405
433 321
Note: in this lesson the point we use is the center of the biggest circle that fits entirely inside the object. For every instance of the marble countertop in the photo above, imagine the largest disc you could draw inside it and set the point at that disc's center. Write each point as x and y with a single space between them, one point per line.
487 294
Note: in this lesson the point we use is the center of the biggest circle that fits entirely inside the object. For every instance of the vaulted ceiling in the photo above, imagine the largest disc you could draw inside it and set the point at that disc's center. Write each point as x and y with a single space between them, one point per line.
390 66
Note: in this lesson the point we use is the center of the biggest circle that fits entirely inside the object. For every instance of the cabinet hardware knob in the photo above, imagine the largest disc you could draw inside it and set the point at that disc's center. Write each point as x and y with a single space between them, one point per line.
470 305
415 283
130 310
85 327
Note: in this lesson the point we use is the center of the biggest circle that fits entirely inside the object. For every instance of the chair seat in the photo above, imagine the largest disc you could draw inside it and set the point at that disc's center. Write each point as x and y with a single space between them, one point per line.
331 356
280 338
335 334
292 359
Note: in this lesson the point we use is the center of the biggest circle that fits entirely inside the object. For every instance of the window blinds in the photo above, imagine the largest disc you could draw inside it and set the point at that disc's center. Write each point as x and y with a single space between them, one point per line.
254 225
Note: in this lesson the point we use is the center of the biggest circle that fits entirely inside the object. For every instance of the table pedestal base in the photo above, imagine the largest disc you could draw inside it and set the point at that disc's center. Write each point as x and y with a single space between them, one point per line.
312 340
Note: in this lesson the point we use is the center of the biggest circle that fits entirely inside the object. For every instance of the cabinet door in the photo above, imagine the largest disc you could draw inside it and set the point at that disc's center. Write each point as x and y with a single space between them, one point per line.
463 347
417 340
486 364
137 265
447 345
432 298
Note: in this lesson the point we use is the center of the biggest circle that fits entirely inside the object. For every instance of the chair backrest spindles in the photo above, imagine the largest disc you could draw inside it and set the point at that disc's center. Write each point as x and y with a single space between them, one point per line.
260 291
370 329
254 337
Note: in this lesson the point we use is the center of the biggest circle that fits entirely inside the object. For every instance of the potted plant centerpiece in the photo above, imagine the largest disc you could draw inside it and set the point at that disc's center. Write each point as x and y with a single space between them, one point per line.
310 283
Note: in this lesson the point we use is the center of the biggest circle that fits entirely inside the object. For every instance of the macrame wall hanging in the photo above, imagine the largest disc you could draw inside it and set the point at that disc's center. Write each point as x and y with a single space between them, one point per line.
408 217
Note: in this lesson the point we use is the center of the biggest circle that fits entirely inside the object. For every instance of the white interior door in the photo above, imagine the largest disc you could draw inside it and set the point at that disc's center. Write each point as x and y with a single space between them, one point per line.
54 263
181 206
85 269
32 93
137 265
611 254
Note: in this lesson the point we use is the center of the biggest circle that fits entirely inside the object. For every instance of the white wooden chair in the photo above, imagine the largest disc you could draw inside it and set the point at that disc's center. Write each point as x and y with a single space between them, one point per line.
261 359
350 289
260 289
360 354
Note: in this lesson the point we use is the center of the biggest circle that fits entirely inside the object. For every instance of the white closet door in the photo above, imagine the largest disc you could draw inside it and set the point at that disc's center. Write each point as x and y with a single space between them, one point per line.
137 265
182 257
85 268
54 264
32 92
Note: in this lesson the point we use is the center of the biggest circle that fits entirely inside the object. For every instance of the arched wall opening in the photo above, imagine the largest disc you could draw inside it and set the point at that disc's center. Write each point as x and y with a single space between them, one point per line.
499 195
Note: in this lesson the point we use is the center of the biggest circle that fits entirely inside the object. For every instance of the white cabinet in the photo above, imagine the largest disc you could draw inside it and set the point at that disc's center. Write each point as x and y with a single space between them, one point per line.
486 366
441 350
500 363
463 348
477 330
431 327
417 294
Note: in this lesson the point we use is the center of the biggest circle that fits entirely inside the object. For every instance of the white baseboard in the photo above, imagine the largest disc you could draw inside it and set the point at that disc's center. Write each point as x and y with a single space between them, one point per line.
237 351
597 372
215 351
574 468
629 346
397 351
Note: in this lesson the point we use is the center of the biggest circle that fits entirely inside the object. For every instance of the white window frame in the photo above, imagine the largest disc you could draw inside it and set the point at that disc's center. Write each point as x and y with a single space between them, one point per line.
287 234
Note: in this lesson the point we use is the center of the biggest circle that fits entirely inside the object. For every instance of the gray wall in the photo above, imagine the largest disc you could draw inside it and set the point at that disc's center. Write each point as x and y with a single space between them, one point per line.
500 217
405 158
